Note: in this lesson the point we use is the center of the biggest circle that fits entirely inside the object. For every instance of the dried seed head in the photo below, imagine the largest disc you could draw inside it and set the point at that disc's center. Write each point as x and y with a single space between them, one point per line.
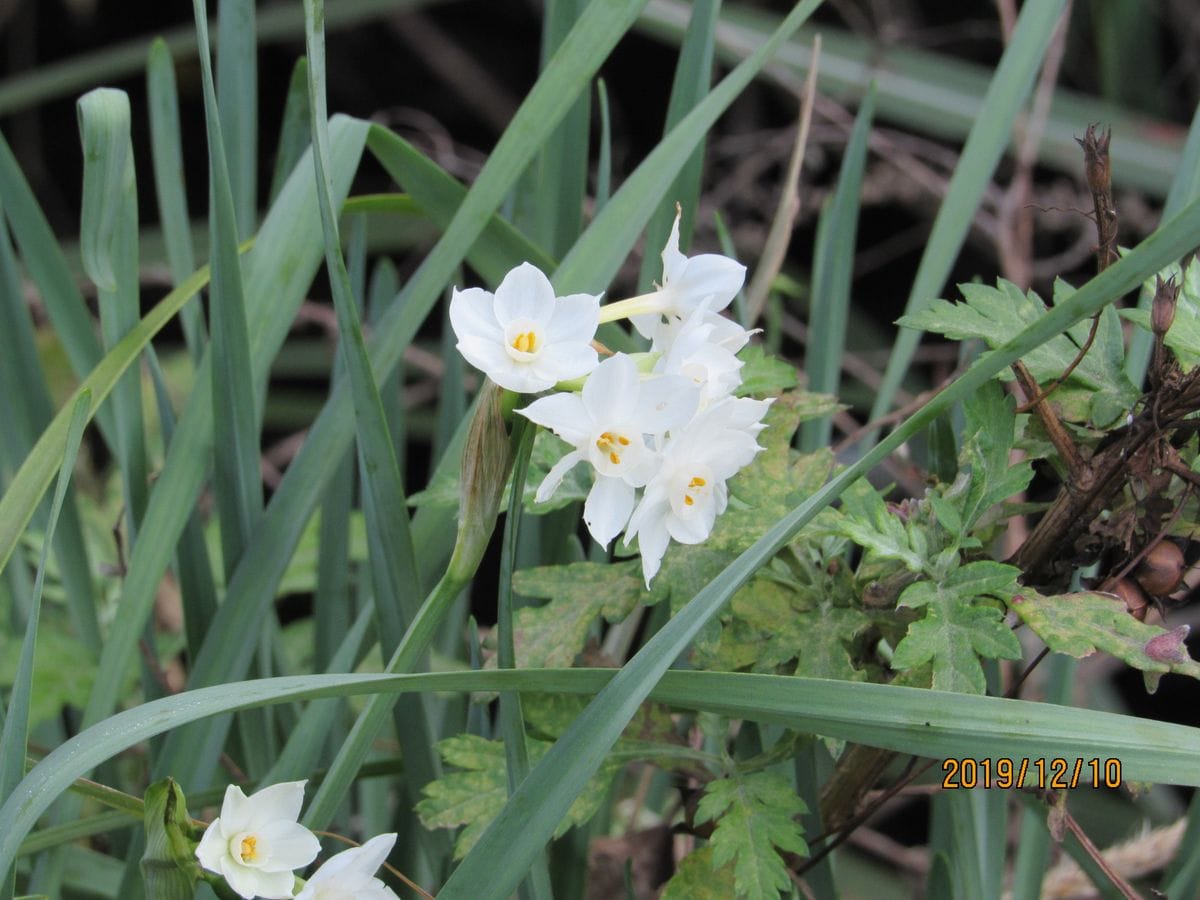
1162 312
1095 160
1161 572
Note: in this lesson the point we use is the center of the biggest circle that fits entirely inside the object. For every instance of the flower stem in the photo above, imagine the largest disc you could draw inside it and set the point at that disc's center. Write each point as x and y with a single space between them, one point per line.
634 306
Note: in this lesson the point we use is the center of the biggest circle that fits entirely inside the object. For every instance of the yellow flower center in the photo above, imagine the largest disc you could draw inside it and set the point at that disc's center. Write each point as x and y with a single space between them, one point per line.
608 443
695 484
526 342
249 849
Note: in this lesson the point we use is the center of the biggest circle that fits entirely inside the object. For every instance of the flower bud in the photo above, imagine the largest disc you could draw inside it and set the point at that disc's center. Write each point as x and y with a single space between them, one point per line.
486 461
1161 572
169 867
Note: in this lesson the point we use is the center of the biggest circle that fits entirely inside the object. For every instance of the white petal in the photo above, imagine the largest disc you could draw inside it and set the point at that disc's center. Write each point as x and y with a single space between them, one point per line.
709 276
472 315
693 529
611 391
556 474
674 262
496 364
575 318
652 544
247 882
277 802
235 811
607 508
212 847
666 402
562 362
562 413
291 845
525 293
646 323
355 867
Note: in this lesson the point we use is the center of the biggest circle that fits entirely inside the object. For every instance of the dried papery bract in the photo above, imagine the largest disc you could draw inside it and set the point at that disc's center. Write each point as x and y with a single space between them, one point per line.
486 460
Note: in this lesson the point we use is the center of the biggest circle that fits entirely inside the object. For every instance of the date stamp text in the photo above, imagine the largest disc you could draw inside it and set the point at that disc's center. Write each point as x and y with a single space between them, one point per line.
1055 773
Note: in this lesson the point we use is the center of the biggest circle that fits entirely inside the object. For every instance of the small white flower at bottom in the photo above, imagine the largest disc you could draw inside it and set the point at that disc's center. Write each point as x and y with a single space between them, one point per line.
682 501
350 875
256 842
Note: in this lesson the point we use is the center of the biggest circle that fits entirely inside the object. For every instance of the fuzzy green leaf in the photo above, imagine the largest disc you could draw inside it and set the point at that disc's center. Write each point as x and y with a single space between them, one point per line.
696 878
952 637
764 375
987 445
756 813
1080 624
553 634
475 794
996 315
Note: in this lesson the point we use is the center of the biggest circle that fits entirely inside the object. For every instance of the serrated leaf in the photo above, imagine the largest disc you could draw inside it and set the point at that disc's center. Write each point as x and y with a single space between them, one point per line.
755 814
952 637
996 315
990 434
552 635
764 375
696 878
474 795
1082 623
868 521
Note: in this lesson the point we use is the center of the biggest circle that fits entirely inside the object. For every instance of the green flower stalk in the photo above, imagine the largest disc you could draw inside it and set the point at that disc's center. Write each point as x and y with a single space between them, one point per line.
169 866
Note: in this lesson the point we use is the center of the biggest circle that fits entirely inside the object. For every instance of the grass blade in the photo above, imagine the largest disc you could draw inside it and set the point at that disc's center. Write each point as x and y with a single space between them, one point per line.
989 137
833 267
166 148
236 479
237 101
108 243
16 721
693 76
909 720
293 131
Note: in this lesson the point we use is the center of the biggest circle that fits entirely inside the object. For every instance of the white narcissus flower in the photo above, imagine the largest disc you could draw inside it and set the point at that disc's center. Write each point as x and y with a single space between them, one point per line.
689 281
703 348
684 498
523 337
607 425
256 842
350 875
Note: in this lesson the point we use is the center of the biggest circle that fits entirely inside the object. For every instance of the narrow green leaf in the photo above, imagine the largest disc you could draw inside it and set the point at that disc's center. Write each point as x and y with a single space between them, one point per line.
604 159
987 141
108 242
237 100
693 77
560 172
294 131
833 266
15 733
237 483
909 720
166 148
598 255
27 409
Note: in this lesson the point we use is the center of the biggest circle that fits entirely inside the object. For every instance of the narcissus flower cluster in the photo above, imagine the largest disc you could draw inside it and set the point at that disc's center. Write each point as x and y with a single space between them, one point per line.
256 844
662 432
